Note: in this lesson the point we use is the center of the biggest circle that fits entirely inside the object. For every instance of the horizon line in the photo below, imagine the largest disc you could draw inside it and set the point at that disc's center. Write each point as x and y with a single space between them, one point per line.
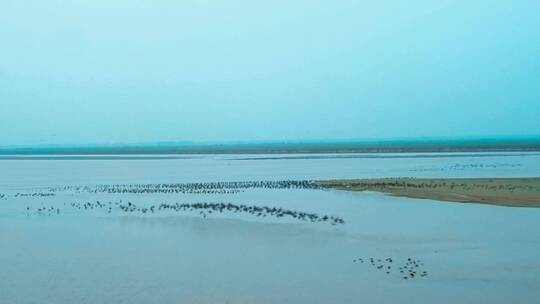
403 145
202 143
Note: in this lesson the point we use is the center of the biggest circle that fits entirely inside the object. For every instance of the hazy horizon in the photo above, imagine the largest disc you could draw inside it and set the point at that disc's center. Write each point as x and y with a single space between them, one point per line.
442 139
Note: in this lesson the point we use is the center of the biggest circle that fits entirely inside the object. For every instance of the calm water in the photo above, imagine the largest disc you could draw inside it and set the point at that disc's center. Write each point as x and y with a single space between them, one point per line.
471 253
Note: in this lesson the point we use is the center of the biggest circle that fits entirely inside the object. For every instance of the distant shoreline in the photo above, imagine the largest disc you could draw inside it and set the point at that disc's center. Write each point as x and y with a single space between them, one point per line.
396 146
511 192
264 157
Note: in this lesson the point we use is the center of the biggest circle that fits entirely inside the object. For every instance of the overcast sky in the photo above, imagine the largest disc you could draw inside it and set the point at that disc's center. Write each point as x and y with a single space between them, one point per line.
110 71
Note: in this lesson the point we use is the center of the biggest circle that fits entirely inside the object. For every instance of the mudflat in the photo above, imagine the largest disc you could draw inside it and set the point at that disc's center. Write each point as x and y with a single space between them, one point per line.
514 192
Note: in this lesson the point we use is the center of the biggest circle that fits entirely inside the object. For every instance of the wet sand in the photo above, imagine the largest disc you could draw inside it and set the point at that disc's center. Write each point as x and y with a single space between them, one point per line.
513 192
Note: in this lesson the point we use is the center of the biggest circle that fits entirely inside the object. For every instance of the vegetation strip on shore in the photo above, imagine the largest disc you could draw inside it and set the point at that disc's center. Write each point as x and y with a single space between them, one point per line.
513 192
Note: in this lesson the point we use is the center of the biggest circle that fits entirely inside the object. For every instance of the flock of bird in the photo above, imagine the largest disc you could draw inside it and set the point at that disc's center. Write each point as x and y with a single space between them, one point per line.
208 208
410 269
34 194
203 209
189 188
44 210
86 206
482 165
462 167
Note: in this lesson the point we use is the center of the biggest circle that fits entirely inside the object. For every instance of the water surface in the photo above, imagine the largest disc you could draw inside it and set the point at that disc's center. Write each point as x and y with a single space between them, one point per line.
471 253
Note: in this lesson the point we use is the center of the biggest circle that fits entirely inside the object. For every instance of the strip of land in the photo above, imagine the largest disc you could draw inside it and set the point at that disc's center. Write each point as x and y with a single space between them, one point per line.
514 192
503 144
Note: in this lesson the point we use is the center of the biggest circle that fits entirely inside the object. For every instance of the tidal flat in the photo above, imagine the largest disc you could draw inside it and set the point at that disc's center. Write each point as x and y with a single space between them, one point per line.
512 192
220 229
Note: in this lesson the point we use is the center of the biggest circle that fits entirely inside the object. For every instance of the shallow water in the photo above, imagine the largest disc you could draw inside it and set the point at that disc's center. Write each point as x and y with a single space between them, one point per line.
471 253
194 168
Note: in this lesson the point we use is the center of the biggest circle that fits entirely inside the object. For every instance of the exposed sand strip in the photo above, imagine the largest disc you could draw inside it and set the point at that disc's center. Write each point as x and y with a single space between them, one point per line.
514 192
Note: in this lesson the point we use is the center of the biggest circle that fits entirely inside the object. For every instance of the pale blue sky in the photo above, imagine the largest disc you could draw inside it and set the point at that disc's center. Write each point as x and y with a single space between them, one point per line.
106 71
